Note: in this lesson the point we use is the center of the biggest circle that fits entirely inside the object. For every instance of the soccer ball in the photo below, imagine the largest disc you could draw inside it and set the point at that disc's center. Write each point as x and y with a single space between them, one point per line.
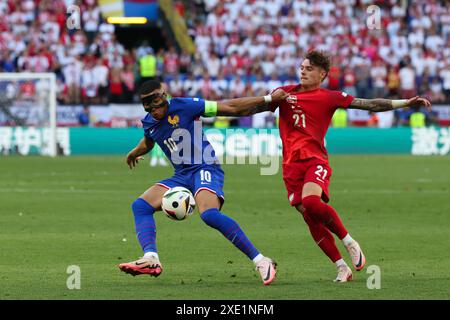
178 203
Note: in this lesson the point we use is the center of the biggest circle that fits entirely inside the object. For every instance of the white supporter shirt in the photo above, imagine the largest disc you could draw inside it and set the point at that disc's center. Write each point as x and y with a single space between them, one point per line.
237 87
220 86
432 65
213 66
434 42
191 87
72 74
101 72
89 82
91 20
407 79
445 75
419 63
385 119
379 74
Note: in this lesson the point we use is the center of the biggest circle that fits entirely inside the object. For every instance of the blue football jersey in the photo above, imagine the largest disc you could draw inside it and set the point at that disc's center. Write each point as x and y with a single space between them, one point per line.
180 134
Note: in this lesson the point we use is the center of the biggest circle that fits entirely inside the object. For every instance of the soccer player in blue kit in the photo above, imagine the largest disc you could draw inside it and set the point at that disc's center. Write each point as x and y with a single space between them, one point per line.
196 168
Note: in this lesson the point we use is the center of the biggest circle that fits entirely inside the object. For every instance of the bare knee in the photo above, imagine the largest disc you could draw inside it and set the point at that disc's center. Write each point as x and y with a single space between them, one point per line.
206 200
154 196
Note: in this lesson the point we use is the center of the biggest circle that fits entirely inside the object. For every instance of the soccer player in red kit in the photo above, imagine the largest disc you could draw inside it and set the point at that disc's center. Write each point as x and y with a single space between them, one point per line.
304 119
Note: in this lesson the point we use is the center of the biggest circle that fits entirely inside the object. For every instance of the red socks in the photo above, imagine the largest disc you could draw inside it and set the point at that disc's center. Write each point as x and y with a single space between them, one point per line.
325 214
321 219
322 236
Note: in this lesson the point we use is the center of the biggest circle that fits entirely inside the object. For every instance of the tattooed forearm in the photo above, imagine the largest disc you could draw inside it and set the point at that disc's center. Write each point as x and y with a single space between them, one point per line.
258 109
375 105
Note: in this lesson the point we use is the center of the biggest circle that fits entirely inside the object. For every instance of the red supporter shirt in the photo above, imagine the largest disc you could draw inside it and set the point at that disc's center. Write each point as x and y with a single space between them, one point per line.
304 121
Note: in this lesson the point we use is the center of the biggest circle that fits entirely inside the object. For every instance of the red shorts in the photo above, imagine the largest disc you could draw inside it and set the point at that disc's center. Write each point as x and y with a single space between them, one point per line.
296 174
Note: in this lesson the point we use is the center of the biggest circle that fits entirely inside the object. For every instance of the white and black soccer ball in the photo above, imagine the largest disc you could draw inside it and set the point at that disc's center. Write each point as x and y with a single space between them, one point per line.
178 203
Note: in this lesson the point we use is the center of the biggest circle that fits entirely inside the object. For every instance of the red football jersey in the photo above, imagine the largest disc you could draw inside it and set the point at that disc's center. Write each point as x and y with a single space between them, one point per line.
304 121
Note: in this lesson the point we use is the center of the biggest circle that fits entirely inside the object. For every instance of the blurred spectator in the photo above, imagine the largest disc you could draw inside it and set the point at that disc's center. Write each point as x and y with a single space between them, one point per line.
191 86
171 62
127 77
334 77
179 7
423 82
144 50
417 119
273 83
445 75
72 77
349 81
89 84
436 93
176 86
147 67
160 63
91 21
115 60
393 83
407 82
378 74
237 87
101 72
386 119
339 119
115 86
220 86
84 116
212 64
184 62
362 74
373 120
402 117
207 88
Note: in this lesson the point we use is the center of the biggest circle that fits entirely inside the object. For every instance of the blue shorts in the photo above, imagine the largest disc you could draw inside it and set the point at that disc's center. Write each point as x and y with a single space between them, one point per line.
204 177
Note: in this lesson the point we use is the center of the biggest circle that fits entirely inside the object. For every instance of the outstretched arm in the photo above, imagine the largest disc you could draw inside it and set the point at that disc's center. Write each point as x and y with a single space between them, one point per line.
248 106
379 105
144 146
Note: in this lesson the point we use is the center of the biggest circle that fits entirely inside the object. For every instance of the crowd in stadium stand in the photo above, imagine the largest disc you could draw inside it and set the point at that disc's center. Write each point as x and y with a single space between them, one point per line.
243 48
262 41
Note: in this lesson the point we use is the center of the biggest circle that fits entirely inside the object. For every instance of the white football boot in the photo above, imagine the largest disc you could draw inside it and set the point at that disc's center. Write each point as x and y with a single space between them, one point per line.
267 268
356 254
344 274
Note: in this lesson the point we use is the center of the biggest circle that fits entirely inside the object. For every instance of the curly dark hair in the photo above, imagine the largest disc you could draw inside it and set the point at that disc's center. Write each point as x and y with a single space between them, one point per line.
319 59
149 86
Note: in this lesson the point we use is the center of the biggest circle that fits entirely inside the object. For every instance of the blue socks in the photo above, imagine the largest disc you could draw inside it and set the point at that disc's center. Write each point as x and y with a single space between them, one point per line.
145 224
231 230
146 228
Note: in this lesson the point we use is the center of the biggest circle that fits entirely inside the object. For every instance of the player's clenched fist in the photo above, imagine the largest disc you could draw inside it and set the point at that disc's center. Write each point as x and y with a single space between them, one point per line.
279 95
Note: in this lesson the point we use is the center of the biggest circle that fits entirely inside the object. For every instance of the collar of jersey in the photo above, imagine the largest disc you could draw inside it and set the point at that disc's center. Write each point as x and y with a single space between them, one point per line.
298 86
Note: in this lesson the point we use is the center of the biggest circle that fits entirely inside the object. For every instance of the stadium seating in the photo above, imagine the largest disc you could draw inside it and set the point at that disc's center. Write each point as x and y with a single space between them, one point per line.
243 48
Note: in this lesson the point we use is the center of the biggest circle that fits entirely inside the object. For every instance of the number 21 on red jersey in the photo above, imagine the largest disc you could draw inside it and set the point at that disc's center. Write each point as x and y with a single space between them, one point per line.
299 120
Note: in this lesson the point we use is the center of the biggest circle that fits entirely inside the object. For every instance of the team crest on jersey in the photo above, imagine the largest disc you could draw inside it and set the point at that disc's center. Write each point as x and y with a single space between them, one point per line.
174 121
291 99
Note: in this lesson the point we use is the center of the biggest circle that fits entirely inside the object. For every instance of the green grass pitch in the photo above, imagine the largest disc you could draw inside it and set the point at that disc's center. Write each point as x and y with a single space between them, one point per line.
55 213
